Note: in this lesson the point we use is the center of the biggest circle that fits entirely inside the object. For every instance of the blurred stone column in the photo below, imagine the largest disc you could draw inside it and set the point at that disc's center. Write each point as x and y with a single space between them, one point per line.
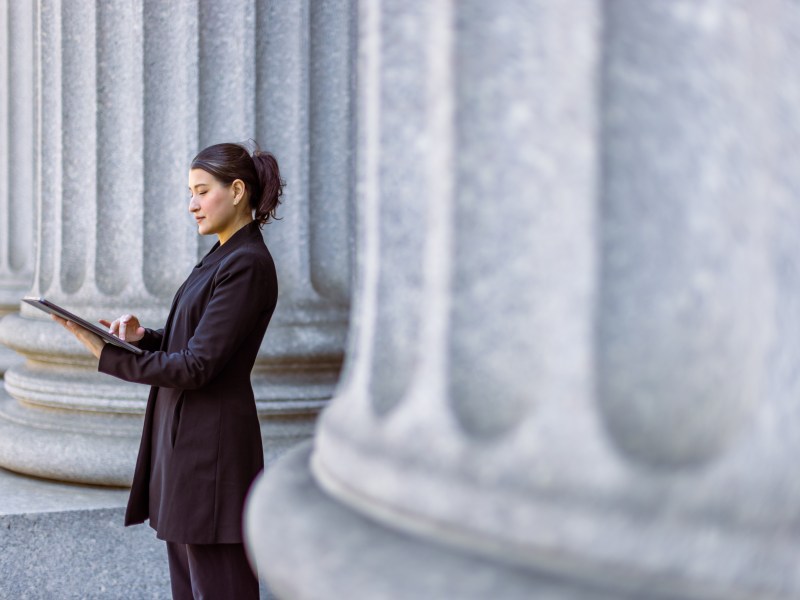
17 158
685 285
562 381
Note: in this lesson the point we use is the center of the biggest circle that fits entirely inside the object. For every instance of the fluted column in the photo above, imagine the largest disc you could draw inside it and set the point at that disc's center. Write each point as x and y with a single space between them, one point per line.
571 373
465 367
304 74
17 158
684 279
62 419
129 93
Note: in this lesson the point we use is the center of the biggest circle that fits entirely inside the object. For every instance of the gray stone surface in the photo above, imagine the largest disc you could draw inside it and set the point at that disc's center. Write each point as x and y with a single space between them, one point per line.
20 495
96 442
170 141
17 158
308 329
60 541
68 445
686 274
66 542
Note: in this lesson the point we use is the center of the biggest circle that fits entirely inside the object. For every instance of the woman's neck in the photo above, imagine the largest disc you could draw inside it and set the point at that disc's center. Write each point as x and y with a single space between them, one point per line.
224 236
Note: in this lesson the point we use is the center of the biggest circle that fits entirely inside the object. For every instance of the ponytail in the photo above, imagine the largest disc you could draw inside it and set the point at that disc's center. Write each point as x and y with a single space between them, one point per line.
271 187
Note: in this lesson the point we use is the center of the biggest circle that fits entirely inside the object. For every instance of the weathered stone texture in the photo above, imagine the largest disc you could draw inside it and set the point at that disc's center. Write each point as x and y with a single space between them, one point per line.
17 157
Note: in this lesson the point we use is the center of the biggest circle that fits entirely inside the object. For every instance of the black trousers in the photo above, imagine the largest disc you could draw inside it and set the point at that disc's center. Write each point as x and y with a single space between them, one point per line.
210 572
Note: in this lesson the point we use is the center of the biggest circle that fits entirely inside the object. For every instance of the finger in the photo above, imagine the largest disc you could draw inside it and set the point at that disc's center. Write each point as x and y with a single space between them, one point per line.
114 326
84 336
59 320
123 326
104 322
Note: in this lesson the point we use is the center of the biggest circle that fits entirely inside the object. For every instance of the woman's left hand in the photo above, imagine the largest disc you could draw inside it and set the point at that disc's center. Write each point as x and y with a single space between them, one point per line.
92 341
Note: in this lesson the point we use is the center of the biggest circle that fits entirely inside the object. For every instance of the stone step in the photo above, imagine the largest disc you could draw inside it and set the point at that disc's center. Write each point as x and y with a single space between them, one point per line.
64 541
67 541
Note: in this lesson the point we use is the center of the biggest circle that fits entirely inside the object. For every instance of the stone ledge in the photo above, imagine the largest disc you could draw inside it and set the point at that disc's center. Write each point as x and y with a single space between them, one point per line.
60 541
63 541
80 554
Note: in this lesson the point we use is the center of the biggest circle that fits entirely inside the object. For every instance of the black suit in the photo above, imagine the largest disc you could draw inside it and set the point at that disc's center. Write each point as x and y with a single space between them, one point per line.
199 368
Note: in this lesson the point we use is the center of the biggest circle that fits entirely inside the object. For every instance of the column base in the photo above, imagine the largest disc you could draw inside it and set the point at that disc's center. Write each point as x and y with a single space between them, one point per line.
97 449
38 437
101 448
320 549
9 359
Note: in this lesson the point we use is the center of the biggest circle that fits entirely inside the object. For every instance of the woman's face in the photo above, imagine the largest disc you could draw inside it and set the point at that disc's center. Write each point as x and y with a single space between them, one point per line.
211 203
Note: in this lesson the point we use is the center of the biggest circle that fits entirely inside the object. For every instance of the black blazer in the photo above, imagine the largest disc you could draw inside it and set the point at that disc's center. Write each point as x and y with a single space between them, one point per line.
204 356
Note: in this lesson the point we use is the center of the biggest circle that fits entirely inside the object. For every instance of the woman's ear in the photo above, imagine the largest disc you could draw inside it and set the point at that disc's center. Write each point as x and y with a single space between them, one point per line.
238 188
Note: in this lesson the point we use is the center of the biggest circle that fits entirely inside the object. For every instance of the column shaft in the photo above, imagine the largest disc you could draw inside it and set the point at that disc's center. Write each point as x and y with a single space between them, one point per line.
685 274
302 354
170 142
17 161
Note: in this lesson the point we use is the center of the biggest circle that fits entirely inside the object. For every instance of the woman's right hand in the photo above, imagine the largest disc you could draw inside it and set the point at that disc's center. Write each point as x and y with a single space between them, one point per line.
126 328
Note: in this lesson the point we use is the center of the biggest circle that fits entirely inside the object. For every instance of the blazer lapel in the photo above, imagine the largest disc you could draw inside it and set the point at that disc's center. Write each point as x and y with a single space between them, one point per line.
168 324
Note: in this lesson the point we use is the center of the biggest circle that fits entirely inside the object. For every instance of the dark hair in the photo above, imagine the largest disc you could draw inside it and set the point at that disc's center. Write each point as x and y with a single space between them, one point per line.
259 171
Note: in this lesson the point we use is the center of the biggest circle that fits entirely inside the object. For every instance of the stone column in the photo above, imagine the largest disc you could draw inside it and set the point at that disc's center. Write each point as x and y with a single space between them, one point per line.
17 159
304 80
565 378
685 284
126 102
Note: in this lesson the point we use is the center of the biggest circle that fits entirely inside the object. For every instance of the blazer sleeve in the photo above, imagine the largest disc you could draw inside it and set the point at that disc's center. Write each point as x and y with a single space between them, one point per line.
151 340
242 292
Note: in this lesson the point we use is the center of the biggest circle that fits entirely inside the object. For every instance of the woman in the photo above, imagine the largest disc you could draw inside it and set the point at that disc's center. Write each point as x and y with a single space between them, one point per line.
201 444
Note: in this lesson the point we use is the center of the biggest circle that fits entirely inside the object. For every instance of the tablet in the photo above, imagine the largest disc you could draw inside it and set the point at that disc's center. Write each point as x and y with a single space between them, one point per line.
49 307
